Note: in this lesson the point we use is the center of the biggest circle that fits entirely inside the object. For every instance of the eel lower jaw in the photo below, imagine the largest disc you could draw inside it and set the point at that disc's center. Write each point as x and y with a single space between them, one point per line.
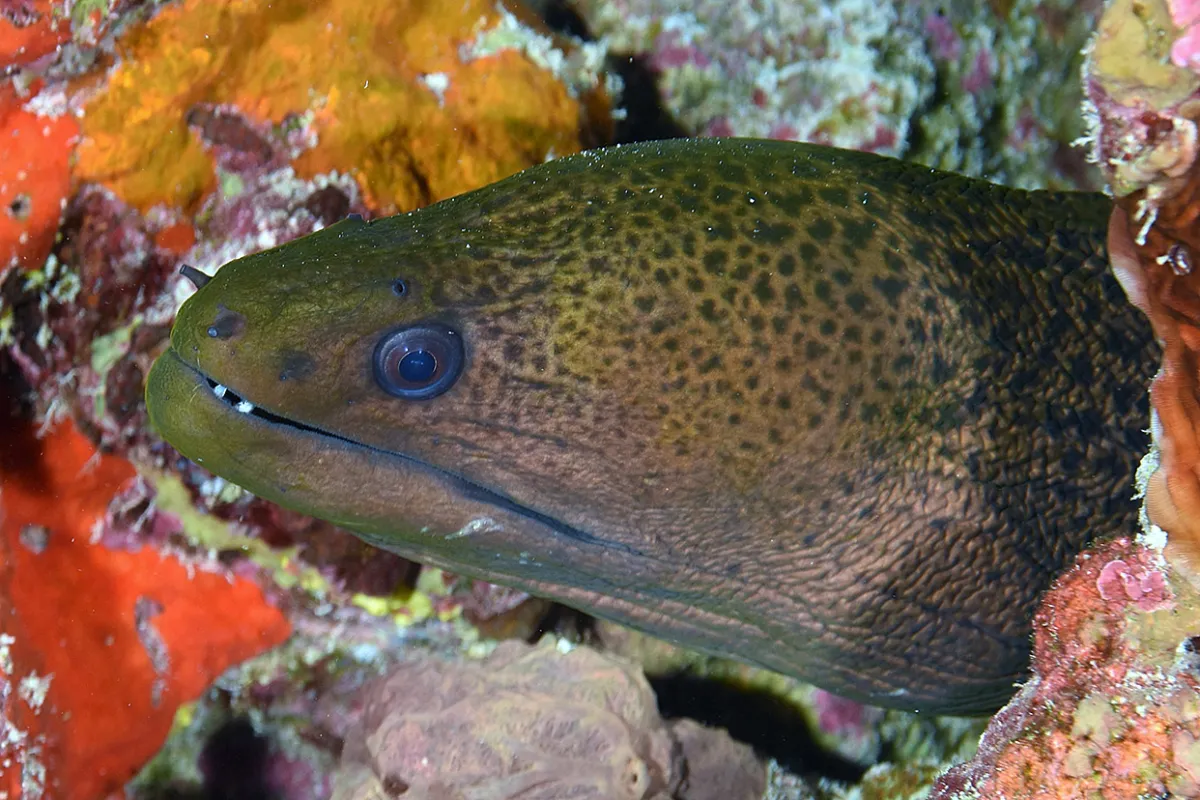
174 380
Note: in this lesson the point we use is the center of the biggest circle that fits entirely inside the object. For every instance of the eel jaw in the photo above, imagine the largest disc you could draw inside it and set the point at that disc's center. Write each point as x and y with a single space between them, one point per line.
307 469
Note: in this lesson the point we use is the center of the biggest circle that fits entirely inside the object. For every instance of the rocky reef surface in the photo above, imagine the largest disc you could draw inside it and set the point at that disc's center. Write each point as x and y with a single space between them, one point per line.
164 634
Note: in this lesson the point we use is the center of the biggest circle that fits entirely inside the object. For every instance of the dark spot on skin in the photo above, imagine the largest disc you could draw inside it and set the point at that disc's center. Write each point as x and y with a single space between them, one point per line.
733 173
514 350
814 350
940 371
893 262
688 244
842 277
721 229
834 195
698 181
762 288
708 310
793 203
828 327
772 234
821 230
1081 370
741 271
226 324
661 276
296 366
695 284
687 201
824 292
891 289
857 302
793 297
858 233
786 265
809 252
644 303
722 195
715 261
814 421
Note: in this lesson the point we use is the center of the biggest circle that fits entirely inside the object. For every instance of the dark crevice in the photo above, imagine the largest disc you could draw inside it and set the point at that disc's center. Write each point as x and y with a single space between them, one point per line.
646 118
772 726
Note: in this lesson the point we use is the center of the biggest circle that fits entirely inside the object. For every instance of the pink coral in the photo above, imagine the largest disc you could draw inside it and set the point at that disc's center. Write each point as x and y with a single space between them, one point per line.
1121 583
1111 710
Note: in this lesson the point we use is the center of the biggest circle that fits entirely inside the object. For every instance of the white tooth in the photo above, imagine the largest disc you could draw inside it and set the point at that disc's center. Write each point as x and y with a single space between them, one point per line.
219 390
245 406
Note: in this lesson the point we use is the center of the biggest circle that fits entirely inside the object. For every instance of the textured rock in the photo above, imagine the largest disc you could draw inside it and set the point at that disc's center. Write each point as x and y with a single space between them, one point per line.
535 724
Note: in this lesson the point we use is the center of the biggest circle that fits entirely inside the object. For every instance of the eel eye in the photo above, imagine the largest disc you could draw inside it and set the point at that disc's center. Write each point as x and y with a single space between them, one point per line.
419 361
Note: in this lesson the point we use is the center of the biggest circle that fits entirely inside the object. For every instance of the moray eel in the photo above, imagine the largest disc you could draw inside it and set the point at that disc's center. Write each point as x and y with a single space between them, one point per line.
826 412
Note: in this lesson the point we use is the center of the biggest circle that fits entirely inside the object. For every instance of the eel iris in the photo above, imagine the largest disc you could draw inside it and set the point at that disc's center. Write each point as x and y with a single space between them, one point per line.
833 414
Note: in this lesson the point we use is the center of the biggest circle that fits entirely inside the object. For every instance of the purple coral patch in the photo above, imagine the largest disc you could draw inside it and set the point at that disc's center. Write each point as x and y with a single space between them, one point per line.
1119 582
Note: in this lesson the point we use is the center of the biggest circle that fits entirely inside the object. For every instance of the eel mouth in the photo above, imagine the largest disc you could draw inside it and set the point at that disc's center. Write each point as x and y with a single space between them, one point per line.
171 368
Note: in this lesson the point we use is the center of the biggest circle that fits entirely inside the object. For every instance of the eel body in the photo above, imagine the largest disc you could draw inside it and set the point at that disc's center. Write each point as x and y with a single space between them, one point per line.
833 414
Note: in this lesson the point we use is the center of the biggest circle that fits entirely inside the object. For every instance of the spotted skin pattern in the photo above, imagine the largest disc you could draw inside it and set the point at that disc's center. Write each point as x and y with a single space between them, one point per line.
830 413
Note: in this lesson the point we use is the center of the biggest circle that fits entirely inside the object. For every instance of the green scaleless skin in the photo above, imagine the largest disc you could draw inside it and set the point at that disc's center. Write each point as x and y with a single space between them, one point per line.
826 412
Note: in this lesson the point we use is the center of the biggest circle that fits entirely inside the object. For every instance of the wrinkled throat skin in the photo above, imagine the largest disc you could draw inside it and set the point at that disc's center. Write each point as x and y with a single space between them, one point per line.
831 414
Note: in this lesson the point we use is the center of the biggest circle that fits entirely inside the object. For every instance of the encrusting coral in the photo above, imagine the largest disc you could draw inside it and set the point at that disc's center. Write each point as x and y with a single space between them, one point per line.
985 89
99 646
1113 709
1143 89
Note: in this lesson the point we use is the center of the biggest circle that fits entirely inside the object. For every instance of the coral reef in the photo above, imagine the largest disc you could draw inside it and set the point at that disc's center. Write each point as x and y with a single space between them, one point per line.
980 88
816 722
150 627
252 75
535 723
34 182
1112 710
1143 85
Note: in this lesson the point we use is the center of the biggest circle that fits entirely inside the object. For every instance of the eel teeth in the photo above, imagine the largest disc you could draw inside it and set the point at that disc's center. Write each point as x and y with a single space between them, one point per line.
219 390
244 406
